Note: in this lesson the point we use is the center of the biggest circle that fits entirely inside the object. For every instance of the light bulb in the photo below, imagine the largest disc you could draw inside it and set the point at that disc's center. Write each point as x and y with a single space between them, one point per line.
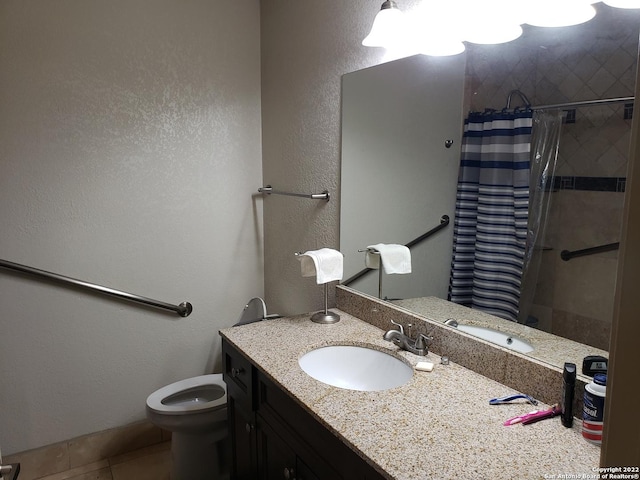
431 30
559 13
388 27
442 49
489 36
487 21
623 3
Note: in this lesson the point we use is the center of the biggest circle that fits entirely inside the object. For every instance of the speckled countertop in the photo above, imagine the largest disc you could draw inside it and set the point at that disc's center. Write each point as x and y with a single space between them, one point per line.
438 425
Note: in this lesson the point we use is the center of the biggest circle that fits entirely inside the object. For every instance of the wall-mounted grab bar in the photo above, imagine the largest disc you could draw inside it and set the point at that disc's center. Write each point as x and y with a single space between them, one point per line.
444 221
184 309
268 190
566 255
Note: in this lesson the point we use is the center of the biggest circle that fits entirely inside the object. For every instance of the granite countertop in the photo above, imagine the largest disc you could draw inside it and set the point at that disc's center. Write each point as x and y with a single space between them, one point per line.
438 425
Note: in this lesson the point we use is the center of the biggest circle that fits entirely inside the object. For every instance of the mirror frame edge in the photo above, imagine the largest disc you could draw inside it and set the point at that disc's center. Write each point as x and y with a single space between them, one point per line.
621 431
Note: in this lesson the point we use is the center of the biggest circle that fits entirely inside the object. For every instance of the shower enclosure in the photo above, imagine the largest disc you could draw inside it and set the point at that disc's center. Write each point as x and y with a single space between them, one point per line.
578 208
569 264
575 221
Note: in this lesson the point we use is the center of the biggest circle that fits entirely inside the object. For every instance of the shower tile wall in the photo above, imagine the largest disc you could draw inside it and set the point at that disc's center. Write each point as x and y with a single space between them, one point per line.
585 62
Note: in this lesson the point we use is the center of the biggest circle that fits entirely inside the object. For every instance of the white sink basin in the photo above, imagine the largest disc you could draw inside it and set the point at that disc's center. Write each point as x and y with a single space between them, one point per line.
497 337
355 368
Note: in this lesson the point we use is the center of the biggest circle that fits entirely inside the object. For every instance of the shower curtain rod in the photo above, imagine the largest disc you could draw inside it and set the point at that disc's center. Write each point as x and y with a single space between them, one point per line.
585 103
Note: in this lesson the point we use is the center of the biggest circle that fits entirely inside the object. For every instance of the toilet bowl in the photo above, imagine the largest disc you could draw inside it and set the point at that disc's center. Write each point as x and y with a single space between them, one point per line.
194 410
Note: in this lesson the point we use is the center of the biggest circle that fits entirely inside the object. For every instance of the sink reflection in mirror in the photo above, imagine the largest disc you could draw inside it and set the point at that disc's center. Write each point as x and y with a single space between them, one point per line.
499 338
355 368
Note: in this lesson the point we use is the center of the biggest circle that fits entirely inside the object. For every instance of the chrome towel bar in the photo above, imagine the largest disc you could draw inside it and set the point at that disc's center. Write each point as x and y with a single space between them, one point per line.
184 309
268 190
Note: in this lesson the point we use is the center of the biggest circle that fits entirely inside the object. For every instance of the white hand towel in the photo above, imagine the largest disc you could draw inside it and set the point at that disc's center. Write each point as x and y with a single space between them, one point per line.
395 258
326 264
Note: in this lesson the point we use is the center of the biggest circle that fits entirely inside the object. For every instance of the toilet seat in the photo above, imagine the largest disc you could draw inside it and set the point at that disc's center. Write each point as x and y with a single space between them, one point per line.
192 395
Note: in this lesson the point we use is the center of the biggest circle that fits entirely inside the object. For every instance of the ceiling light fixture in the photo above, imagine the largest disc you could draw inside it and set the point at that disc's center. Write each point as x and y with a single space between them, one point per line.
431 32
623 3
489 21
439 27
388 27
493 34
440 48
554 13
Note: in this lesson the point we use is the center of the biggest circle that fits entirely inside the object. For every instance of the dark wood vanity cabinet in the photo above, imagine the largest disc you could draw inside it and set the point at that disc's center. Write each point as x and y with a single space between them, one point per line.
278 459
273 437
239 376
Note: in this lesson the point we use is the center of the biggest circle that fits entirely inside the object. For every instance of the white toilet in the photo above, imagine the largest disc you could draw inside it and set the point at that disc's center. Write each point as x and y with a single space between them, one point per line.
195 412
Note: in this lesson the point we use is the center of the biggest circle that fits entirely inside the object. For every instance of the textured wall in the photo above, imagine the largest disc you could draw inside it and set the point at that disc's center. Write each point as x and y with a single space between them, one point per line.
129 147
306 47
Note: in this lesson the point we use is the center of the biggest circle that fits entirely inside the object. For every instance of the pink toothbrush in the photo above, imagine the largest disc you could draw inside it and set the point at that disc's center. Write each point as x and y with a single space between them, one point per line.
534 416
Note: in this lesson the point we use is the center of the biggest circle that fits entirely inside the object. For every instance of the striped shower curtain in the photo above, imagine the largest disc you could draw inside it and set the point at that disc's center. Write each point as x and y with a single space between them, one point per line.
490 227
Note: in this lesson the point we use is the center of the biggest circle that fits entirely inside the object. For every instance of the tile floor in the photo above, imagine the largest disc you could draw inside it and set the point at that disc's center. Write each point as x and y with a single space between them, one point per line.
138 451
149 463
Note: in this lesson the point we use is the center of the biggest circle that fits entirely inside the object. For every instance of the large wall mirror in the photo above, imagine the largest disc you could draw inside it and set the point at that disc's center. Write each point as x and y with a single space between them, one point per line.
401 133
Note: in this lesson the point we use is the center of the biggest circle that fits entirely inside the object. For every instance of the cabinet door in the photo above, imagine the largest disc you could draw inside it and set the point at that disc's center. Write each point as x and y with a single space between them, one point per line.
274 438
238 374
304 472
276 459
242 431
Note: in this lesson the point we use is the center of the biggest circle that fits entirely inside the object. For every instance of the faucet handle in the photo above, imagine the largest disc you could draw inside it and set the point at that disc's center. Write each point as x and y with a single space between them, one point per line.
398 325
423 340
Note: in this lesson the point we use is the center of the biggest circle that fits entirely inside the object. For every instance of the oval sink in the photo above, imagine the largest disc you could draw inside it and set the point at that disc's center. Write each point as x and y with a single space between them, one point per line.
355 368
497 337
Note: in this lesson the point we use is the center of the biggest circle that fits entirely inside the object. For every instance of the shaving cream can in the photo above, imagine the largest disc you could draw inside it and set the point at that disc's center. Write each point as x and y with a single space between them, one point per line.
593 410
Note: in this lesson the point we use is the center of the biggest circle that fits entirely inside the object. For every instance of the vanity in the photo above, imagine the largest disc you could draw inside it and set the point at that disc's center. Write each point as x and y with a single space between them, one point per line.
273 436
285 424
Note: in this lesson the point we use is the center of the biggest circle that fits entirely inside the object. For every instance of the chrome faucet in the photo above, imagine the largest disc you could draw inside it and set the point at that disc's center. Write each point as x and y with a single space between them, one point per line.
417 346
452 322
